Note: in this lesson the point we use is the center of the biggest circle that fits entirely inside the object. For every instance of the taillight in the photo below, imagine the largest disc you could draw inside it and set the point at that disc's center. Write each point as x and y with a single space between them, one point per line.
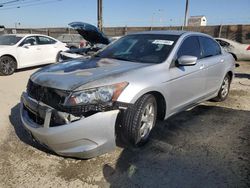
248 48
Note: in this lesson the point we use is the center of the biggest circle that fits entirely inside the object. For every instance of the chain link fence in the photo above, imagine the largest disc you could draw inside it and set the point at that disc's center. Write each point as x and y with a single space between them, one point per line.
240 33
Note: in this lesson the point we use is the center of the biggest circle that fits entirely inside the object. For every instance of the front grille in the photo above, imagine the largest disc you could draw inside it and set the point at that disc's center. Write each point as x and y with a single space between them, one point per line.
35 118
50 96
54 121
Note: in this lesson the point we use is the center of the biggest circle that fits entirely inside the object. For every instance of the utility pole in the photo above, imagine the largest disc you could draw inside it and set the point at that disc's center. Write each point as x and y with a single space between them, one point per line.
99 14
186 14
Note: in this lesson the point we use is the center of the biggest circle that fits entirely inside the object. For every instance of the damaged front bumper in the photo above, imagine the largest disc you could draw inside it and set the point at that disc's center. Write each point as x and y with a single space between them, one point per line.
85 137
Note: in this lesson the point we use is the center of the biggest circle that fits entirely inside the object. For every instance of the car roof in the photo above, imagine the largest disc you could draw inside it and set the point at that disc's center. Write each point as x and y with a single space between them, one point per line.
26 35
171 32
161 32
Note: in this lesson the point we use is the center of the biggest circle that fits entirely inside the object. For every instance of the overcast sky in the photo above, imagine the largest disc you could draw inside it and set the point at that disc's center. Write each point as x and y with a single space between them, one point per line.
58 13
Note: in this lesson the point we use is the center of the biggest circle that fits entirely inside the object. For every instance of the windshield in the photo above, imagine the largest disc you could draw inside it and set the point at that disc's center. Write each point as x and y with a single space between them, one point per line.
9 40
144 48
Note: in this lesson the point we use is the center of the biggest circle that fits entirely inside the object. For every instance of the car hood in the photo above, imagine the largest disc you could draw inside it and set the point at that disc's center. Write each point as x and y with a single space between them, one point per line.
90 33
73 74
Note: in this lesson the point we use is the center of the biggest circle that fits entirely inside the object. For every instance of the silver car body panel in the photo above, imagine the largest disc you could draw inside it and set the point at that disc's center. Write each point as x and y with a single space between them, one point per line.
79 139
181 87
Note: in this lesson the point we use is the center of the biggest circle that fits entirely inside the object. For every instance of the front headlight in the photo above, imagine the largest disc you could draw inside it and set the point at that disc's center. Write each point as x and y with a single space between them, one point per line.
97 95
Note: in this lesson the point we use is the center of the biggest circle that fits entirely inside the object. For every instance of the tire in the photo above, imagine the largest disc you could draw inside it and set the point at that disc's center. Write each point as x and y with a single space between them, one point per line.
224 89
7 65
139 120
58 57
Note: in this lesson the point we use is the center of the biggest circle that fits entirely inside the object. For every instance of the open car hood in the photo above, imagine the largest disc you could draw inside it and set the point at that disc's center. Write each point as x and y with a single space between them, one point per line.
90 33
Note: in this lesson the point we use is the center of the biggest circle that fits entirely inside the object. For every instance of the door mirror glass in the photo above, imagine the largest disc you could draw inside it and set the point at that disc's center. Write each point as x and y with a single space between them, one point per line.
187 60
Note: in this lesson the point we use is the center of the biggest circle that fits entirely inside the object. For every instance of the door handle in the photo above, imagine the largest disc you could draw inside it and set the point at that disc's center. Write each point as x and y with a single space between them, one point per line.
202 66
38 48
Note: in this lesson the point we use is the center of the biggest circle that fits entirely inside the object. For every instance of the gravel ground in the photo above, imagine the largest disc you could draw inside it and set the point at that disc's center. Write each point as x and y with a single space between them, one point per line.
206 146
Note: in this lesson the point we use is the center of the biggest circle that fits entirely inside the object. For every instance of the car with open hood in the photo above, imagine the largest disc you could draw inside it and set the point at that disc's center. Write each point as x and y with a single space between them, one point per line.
81 107
72 40
96 40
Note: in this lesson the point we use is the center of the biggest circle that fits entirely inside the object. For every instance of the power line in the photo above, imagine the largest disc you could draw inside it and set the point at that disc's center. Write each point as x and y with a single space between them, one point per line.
19 3
9 2
30 5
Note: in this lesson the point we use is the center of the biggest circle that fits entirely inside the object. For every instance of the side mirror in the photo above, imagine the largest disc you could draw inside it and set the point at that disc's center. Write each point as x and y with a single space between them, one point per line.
187 60
26 45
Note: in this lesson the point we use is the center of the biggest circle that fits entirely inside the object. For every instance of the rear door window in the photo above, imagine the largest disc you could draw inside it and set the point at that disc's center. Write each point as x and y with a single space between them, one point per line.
209 47
45 40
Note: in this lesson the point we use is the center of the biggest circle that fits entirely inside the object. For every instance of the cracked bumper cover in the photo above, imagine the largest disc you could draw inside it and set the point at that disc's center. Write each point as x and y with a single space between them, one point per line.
84 138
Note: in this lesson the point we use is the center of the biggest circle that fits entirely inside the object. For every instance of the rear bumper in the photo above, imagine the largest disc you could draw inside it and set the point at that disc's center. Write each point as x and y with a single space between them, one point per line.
84 138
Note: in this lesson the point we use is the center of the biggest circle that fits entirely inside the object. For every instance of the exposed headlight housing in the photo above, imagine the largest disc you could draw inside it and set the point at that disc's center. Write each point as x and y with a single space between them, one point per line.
103 94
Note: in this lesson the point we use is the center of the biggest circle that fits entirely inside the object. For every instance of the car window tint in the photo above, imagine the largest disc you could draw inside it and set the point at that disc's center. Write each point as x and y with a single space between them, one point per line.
30 40
9 39
45 40
223 43
210 47
191 47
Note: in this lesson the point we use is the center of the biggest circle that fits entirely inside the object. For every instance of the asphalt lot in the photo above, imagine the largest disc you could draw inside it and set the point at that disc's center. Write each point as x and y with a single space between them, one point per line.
207 146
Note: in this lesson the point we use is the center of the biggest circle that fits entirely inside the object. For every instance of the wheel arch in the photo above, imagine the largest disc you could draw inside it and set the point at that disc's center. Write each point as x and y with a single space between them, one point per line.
234 56
161 104
9 55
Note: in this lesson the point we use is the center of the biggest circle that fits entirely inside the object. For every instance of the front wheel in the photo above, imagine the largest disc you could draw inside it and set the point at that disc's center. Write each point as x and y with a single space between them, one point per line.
7 65
224 90
139 120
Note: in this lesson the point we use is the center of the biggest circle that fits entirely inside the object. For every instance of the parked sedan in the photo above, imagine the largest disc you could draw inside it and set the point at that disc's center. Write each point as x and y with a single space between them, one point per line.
20 51
239 51
78 108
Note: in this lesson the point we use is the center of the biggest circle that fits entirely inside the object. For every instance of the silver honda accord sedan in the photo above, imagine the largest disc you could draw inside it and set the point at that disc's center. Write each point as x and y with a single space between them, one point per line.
78 108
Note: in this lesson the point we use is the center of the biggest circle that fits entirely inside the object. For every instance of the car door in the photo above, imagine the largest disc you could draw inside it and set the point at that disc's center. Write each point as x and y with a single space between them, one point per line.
28 52
49 49
213 60
187 83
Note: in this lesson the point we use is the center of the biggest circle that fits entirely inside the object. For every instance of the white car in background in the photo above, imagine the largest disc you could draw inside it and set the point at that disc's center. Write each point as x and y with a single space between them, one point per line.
26 50
239 51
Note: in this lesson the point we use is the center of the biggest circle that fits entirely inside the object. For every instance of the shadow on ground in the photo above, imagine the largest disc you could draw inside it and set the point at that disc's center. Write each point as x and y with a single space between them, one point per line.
207 146
242 75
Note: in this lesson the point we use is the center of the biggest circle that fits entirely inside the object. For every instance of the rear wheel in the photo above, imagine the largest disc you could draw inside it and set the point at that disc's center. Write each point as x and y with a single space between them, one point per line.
139 120
7 65
224 90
